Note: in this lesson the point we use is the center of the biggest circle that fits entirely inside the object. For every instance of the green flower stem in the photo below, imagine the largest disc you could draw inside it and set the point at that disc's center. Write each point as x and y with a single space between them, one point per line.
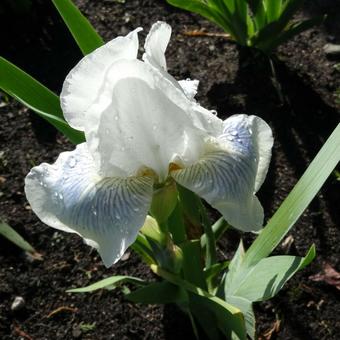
210 248
142 248
190 287
218 228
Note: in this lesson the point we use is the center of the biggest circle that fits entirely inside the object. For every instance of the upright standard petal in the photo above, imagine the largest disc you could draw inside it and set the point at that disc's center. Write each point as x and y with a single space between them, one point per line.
227 174
84 82
141 120
70 196
156 43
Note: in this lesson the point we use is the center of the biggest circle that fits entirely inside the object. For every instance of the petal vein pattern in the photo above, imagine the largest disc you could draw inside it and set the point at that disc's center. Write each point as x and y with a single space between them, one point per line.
107 212
227 175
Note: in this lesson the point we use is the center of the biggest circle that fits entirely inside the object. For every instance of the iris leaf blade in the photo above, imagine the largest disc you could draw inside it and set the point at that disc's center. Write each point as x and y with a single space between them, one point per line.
8 232
82 31
297 201
37 97
108 283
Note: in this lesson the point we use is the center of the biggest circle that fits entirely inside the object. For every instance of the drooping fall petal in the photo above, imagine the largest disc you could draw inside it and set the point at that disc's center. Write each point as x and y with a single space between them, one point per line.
231 170
70 196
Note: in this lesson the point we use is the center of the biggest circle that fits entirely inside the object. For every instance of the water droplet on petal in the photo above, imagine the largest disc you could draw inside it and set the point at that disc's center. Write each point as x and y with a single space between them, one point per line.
230 138
60 195
209 120
117 216
136 209
116 117
214 112
154 127
72 162
233 133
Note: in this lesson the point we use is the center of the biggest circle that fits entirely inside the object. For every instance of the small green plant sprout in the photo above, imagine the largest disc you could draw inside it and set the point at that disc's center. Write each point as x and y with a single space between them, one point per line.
260 24
147 156
87 327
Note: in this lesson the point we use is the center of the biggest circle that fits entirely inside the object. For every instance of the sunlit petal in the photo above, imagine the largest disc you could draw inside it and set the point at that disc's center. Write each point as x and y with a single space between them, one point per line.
156 43
251 132
107 212
227 175
189 87
84 82
141 120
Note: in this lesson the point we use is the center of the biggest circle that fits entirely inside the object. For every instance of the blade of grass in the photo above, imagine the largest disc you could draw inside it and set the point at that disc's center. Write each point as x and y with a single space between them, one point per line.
82 31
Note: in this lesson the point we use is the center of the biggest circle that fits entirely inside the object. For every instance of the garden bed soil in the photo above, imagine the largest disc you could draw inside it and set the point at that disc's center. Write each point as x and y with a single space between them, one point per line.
231 83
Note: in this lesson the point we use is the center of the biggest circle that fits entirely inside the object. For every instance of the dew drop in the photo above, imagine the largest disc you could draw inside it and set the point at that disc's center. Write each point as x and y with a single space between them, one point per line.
154 127
214 112
209 120
117 216
72 162
136 209
116 117
230 138
60 195
233 133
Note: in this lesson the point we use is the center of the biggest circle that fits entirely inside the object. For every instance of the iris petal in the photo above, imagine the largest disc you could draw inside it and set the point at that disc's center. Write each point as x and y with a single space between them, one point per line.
84 82
144 121
107 212
156 43
189 87
227 175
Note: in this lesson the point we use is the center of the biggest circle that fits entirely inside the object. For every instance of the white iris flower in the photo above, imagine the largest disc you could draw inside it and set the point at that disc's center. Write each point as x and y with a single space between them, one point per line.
142 127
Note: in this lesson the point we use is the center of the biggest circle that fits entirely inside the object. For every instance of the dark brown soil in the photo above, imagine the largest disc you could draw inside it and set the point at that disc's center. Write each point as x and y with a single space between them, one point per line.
231 83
